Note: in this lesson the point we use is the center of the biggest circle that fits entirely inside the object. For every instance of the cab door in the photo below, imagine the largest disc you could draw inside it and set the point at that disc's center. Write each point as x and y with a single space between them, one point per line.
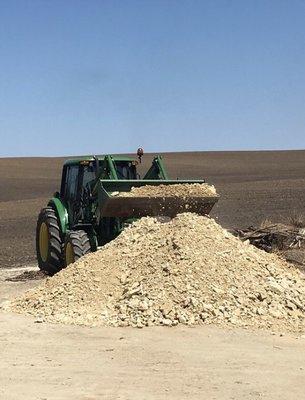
70 192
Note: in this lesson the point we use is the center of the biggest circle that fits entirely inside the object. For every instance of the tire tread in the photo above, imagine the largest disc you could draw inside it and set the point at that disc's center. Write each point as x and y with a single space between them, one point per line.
54 262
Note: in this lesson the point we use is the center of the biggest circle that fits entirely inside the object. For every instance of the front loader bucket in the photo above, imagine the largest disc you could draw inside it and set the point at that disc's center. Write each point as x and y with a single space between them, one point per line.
111 205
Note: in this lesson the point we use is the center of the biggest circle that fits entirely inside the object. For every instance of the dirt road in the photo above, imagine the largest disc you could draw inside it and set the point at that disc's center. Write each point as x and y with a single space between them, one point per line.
44 361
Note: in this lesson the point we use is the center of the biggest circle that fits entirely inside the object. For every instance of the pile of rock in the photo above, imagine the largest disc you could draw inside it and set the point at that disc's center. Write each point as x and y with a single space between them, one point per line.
186 271
186 190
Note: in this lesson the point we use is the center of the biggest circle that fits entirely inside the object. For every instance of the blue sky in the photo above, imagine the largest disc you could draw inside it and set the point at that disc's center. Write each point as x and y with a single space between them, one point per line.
80 77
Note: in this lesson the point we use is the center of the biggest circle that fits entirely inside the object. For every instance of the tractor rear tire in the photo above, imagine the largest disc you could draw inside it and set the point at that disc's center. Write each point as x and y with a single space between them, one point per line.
77 244
49 242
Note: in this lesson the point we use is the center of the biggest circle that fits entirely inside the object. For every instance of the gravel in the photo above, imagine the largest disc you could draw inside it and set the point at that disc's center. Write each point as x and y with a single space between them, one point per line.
186 271
186 190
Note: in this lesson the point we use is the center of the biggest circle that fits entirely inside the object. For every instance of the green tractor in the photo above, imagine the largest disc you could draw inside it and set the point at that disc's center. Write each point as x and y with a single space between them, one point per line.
87 212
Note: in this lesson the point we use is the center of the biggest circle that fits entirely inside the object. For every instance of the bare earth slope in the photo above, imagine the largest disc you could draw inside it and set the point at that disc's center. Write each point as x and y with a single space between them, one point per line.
252 185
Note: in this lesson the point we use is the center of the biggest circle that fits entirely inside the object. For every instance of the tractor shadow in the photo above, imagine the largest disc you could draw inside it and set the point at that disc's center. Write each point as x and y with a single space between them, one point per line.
27 276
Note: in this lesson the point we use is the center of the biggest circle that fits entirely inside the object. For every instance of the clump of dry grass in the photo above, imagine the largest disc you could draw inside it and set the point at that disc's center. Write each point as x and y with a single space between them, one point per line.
266 223
297 219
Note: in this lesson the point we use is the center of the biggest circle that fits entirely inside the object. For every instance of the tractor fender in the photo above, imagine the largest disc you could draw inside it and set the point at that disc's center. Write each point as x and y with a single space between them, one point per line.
61 212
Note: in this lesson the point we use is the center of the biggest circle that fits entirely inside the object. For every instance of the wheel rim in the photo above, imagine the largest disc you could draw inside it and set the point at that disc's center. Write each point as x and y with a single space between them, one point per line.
44 241
69 254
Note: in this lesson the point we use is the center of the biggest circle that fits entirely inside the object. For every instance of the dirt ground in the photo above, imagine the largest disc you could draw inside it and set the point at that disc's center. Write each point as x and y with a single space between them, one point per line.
253 186
47 362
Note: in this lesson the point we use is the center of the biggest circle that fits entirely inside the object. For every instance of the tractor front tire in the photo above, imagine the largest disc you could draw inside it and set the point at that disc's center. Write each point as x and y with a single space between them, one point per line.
77 244
49 242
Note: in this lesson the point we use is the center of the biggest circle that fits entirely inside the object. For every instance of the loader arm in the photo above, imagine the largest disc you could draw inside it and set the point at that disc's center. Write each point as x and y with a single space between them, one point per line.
157 170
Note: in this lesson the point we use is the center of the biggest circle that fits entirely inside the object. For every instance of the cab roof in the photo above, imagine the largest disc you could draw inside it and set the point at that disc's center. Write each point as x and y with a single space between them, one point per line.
76 161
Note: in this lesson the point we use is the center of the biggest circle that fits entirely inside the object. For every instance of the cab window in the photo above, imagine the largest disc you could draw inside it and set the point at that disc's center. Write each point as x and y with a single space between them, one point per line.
88 175
125 170
71 182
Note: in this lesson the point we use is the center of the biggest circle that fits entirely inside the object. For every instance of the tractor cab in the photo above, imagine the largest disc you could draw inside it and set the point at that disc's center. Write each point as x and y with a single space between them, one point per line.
79 177
77 173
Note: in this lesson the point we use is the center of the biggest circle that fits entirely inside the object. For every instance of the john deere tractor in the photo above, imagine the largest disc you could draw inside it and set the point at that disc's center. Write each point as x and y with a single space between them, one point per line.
87 212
